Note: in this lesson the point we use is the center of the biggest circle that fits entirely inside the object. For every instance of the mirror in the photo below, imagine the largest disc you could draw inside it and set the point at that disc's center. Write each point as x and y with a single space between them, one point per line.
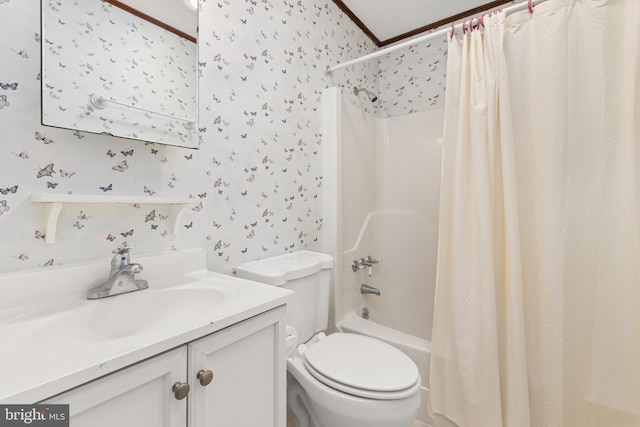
111 68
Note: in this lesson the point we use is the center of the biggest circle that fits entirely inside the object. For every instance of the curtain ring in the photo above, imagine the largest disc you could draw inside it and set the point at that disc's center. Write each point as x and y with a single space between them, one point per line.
453 30
530 6
481 21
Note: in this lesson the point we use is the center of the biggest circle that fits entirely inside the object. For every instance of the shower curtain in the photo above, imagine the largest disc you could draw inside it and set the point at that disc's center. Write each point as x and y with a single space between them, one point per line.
537 309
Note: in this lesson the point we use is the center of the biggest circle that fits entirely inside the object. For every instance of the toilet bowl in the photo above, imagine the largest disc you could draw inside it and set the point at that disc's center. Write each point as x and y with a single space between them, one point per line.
341 379
379 390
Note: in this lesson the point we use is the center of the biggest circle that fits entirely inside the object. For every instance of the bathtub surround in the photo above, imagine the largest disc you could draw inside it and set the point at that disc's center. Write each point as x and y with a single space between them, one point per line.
386 191
536 313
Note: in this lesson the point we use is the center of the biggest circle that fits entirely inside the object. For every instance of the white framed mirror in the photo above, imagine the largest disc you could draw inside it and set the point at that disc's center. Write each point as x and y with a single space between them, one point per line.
113 67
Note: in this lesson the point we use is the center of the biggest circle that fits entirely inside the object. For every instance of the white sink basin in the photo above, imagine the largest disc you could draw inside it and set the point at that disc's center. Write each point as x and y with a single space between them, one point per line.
126 315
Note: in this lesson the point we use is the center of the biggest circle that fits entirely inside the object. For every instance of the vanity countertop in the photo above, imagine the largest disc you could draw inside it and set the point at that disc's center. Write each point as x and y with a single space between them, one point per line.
53 339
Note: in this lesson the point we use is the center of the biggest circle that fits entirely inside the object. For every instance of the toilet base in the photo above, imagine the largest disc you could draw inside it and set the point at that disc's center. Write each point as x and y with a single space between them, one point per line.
295 402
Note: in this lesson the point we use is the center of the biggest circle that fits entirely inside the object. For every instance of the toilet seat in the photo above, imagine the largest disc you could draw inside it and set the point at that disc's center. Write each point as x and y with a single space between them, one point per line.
362 366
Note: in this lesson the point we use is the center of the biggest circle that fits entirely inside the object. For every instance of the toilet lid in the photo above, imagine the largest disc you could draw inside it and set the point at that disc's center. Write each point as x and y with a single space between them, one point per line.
362 366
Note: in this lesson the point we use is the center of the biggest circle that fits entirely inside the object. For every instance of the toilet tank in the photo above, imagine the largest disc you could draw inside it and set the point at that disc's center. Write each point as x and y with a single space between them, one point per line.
306 273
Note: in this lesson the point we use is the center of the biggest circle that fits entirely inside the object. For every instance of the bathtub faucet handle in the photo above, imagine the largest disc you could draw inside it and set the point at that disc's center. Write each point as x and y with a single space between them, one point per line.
362 263
365 262
358 264
371 260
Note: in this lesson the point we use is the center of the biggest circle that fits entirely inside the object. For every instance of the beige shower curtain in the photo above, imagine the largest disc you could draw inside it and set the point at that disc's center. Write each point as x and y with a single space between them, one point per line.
537 313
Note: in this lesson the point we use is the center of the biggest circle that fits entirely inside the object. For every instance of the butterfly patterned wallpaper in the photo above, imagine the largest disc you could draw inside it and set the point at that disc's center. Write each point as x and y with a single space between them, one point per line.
256 181
93 47
413 79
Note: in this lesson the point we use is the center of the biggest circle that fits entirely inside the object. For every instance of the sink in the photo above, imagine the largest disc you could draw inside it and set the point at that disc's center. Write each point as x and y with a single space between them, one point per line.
54 339
126 315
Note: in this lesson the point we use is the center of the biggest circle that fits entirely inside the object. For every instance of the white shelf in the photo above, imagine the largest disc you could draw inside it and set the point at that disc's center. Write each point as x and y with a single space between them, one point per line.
55 202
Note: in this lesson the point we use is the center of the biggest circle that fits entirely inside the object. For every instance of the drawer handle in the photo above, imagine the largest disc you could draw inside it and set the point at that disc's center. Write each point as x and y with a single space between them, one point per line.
180 390
205 377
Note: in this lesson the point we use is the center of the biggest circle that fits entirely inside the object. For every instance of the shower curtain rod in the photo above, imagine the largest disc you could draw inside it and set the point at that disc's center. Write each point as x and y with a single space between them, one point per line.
515 8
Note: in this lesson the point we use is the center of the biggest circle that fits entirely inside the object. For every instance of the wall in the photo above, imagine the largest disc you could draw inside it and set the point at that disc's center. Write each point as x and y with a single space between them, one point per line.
412 80
257 179
408 81
390 187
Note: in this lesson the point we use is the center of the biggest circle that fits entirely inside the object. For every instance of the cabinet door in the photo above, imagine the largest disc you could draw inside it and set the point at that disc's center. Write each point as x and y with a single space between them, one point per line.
249 373
139 395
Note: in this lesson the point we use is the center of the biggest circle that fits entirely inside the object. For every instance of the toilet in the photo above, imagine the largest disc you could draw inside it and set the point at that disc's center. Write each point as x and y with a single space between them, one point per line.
340 379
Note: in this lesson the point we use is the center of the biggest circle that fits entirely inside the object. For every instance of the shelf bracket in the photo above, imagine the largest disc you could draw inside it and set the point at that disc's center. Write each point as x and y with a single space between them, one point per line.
52 211
177 209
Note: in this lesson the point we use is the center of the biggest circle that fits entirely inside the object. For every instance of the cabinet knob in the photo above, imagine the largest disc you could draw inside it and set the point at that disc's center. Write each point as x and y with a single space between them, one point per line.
205 377
180 390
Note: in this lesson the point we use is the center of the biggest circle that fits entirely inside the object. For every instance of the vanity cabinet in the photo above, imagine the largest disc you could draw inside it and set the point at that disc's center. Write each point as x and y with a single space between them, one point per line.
132 397
235 376
249 373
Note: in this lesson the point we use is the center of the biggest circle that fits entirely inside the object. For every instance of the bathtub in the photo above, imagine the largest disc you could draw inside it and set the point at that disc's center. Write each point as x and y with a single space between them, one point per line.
418 349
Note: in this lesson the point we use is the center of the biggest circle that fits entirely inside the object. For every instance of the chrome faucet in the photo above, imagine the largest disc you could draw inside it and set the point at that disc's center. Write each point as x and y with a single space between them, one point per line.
362 263
121 278
366 289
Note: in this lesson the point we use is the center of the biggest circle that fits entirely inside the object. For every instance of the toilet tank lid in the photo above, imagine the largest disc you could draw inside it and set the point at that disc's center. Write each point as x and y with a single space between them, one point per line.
282 268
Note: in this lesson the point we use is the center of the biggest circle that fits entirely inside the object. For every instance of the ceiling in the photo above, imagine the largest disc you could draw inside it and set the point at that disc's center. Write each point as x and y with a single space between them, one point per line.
387 22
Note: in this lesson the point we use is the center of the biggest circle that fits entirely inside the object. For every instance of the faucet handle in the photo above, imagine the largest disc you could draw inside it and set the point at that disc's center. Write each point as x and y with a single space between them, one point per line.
125 249
364 262
369 261
357 265
121 259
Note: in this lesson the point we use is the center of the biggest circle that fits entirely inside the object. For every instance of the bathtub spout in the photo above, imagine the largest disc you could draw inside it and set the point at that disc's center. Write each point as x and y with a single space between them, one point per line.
366 289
